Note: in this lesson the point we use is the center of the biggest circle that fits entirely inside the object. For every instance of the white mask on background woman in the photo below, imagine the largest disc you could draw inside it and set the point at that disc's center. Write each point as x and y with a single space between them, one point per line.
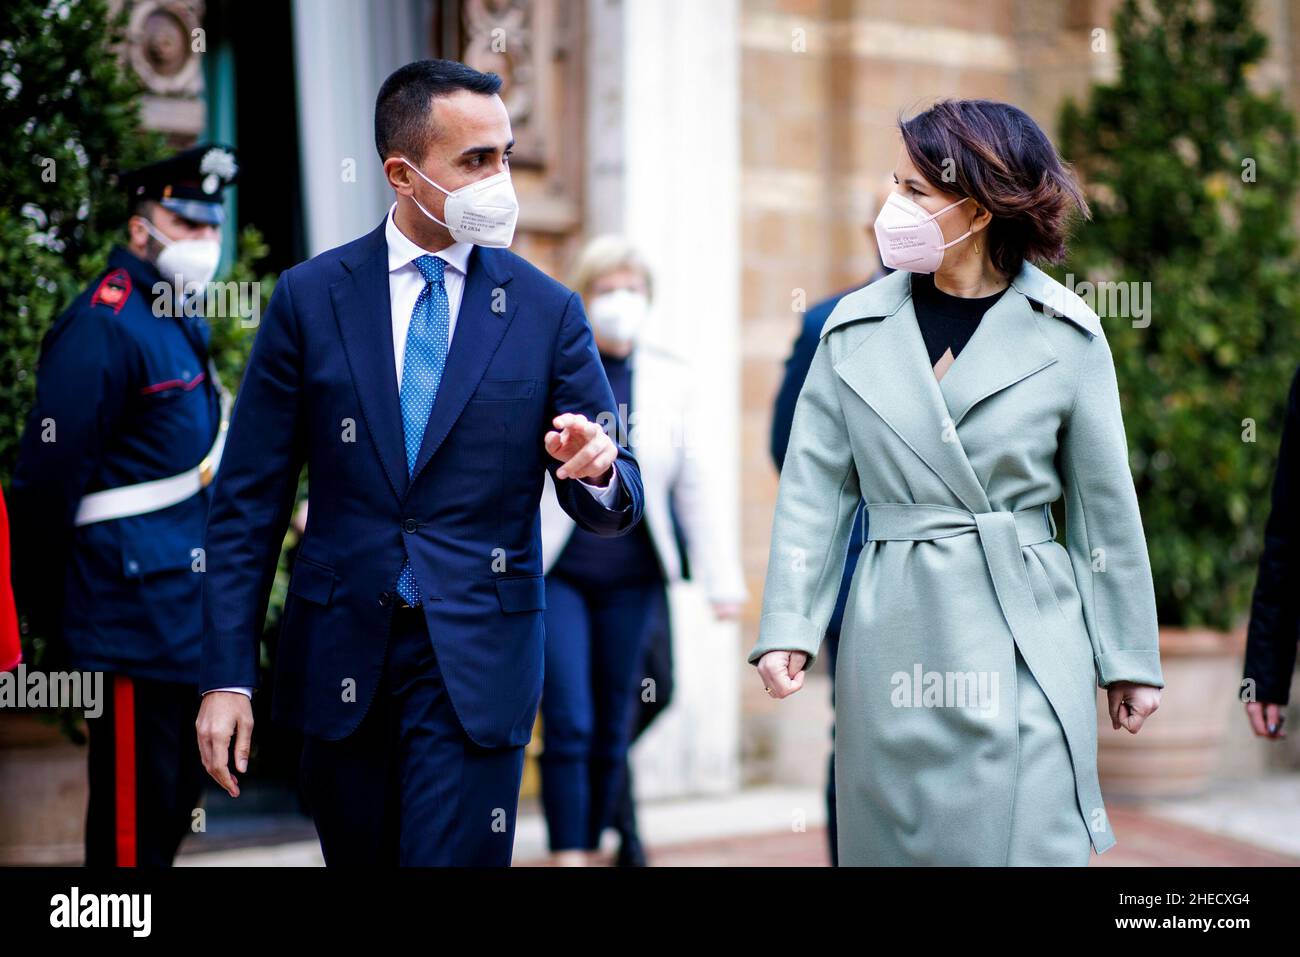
619 315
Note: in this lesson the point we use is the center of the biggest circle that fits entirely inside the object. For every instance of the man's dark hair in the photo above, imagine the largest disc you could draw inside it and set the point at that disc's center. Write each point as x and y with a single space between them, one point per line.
143 208
402 121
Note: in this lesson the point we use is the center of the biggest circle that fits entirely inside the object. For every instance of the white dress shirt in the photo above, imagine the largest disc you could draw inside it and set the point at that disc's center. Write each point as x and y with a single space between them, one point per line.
405 283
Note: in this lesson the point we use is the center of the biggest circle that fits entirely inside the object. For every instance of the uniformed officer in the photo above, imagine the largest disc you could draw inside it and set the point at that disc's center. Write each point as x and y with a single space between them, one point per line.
110 498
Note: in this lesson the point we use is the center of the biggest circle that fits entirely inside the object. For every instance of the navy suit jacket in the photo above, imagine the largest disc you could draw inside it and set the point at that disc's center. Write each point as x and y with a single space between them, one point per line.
321 388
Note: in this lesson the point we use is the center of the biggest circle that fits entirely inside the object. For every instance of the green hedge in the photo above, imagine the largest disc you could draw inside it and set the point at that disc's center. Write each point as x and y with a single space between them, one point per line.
1191 175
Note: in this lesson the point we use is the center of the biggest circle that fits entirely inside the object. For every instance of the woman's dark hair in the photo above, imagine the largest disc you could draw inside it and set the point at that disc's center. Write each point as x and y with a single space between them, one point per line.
402 121
997 155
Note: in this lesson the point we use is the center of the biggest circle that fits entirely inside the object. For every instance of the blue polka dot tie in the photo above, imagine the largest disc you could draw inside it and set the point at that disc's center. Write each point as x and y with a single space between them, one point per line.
427 340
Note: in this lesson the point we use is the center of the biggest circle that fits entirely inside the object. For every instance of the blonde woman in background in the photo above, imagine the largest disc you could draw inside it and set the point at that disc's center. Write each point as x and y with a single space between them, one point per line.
607 617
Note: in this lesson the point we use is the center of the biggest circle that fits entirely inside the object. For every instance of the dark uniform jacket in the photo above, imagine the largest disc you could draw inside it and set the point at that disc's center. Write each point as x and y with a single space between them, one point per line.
122 396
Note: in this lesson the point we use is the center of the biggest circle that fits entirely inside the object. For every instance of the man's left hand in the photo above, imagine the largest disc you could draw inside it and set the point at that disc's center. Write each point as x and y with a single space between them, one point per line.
584 447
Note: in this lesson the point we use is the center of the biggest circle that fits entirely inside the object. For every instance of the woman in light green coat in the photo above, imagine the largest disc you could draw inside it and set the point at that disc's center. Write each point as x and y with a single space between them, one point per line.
973 641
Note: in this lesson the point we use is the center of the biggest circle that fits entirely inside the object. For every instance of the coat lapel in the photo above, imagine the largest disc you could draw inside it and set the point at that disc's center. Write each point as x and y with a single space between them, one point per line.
890 369
364 316
1007 346
486 309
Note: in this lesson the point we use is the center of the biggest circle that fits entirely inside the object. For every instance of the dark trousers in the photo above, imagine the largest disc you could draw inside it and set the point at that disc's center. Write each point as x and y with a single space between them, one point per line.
831 649
409 787
145 773
595 651
659 669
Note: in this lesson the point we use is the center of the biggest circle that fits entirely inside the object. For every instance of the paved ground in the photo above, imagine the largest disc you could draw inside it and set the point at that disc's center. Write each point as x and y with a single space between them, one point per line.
1256 824
1144 840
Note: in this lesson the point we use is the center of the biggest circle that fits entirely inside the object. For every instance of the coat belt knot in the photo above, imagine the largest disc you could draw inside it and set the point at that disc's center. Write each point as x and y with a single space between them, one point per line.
904 521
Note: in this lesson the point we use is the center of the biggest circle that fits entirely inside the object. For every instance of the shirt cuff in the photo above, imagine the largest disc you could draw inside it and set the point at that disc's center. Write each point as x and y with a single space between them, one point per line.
247 691
605 496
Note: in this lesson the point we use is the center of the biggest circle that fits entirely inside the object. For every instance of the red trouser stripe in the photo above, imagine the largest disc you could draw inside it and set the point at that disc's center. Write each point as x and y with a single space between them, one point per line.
124 768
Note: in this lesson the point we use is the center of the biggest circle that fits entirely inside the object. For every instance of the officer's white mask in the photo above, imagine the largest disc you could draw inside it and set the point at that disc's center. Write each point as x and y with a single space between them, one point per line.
190 263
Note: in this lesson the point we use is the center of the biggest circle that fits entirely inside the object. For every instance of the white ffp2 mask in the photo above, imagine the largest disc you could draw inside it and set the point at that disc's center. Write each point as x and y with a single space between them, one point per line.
194 261
619 315
483 213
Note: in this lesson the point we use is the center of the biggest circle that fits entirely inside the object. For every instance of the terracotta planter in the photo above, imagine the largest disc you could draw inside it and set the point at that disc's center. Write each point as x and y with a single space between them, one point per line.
42 791
1175 753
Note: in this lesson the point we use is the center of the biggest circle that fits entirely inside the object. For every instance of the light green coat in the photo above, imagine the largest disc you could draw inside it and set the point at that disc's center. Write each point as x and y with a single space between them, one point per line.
990 758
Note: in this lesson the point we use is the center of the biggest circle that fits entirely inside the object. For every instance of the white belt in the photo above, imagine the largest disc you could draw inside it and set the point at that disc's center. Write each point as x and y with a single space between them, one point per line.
159 493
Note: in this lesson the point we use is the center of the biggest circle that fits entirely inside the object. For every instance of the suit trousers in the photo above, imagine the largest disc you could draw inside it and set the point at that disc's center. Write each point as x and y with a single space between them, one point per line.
409 787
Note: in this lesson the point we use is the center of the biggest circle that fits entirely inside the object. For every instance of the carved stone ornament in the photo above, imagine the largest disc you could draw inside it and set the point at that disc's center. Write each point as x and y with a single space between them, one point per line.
499 39
160 41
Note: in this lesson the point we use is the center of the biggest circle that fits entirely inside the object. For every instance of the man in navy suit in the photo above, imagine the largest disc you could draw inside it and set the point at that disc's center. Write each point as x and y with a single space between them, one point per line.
416 371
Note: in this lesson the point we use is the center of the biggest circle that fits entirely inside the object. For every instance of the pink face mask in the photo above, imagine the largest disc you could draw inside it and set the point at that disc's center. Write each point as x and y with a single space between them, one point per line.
908 236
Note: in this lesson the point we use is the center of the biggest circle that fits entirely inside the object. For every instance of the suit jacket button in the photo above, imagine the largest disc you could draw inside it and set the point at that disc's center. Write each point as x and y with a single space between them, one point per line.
410 525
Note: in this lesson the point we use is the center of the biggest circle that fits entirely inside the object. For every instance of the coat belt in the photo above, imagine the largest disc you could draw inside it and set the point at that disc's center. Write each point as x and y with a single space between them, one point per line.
1002 534
901 521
